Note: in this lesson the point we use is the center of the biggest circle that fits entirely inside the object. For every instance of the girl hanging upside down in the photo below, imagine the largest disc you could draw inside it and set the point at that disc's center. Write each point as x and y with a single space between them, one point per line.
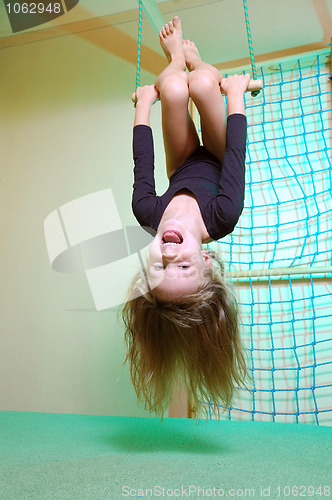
181 319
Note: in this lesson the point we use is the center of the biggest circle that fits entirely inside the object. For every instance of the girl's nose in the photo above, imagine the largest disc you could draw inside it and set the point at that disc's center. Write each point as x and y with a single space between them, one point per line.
170 253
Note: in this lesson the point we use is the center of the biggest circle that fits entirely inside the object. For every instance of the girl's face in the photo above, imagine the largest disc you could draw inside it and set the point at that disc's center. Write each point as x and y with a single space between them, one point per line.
176 264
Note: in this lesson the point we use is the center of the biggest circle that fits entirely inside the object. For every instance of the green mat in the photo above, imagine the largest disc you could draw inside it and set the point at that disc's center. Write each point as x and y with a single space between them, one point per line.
52 456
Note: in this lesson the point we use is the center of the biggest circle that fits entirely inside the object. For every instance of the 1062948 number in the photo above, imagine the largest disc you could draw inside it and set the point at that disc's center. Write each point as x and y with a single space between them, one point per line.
34 8
303 491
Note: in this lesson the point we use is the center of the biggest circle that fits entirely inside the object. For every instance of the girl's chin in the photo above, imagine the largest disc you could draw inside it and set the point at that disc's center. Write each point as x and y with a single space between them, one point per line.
171 225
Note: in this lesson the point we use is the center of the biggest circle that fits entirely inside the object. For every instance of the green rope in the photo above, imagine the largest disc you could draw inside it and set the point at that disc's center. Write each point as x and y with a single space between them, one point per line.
139 45
251 50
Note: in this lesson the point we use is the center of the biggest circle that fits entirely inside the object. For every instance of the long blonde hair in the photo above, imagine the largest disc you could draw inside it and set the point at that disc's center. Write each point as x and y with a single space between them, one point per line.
194 340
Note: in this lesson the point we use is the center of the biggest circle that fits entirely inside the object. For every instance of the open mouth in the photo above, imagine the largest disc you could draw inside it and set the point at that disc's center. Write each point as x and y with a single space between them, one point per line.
172 238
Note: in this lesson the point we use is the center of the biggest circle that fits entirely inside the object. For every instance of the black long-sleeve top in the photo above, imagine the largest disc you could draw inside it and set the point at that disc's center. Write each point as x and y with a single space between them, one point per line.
218 188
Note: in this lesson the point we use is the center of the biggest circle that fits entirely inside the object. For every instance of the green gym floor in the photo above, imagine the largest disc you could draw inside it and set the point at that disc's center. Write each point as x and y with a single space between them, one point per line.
57 456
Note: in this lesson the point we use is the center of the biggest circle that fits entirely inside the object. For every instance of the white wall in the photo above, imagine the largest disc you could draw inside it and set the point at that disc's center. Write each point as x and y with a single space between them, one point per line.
66 131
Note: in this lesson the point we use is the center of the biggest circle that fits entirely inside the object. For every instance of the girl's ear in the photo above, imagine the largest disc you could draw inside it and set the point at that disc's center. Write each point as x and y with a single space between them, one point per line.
207 259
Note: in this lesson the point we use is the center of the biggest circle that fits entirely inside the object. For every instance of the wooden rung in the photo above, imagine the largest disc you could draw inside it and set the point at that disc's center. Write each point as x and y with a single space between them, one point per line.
254 85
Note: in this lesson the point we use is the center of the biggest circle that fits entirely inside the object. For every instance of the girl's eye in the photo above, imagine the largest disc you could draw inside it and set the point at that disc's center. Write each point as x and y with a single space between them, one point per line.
158 268
184 267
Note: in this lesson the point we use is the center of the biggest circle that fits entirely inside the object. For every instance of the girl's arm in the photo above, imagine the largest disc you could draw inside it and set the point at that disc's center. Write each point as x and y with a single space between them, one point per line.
144 194
234 87
146 97
227 206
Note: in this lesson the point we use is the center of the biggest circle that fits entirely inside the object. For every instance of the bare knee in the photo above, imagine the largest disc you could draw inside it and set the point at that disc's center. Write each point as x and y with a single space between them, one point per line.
202 82
173 88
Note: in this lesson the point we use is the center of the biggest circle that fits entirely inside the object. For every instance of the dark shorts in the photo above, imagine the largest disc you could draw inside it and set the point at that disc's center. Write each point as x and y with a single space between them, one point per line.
200 173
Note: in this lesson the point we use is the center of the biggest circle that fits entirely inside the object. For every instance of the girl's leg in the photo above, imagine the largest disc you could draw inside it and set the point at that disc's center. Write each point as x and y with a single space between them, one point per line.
204 89
179 133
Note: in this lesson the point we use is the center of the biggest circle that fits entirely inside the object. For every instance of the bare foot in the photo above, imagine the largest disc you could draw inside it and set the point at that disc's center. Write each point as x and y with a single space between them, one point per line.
170 37
191 54
194 61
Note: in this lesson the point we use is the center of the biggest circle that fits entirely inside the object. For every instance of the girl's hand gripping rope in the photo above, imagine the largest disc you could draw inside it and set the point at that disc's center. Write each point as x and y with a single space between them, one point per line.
234 87
253 86
235 84
145 97
148 94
